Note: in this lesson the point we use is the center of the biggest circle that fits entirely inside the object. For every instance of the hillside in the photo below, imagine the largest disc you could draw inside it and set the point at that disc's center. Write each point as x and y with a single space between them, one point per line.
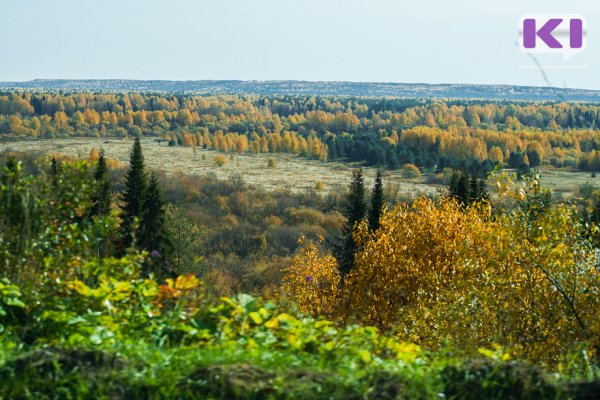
387 89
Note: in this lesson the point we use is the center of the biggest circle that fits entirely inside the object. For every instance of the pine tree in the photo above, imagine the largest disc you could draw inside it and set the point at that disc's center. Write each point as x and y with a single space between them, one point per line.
101 204
474 189
55 170
484 193
54 167
377 202
133 196
354 212
453 184
467 189
153 236
463 189
183 235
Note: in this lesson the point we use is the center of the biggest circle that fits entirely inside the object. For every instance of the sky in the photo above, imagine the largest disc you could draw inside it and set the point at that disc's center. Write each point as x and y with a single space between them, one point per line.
424 41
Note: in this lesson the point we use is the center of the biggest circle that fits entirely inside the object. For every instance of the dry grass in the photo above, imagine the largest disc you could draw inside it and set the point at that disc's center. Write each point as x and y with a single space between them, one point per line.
566 182
291 173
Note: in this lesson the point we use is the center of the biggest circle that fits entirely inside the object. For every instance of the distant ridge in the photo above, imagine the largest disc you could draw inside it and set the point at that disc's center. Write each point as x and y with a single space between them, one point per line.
413 90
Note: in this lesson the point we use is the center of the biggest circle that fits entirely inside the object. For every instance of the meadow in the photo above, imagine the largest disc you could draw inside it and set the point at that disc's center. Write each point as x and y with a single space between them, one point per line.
290 172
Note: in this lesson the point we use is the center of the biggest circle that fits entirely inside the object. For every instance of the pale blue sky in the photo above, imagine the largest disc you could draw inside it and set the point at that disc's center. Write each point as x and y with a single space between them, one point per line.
444 41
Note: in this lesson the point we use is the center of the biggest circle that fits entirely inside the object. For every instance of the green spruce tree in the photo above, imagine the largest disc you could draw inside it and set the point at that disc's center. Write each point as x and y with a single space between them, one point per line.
133 195
474 189
101 204
377 203
483 193
152 233
354 212
468 189
463 189
184 239
55 170
54 167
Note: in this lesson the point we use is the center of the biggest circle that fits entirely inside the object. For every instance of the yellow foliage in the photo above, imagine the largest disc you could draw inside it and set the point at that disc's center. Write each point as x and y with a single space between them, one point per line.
435 271
410 171
220 160
94 155
313 281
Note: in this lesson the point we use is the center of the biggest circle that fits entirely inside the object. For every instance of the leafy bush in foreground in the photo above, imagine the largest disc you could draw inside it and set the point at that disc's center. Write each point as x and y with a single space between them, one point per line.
436 272
77 324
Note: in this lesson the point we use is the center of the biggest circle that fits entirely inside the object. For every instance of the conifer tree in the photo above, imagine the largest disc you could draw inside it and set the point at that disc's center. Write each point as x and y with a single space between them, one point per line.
453 184
54 167
474 190
463 189
55 170
183 236
354 212
101 204
133 196
483 193
377 202
467 189
153 236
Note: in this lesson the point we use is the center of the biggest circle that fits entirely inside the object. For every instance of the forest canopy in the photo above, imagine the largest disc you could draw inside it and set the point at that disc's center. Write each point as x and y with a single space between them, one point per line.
386 132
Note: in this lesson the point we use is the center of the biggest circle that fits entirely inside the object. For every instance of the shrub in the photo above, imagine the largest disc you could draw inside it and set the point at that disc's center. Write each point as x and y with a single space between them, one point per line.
313 281
474 278
94 155
220 160
271 163
410 171
319 186
488 379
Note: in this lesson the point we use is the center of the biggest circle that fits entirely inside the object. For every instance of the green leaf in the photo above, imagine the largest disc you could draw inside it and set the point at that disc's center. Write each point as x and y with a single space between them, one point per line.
255 317
13 301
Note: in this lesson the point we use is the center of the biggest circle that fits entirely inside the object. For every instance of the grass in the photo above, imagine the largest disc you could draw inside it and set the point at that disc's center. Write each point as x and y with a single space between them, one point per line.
272 171
566 182
293 173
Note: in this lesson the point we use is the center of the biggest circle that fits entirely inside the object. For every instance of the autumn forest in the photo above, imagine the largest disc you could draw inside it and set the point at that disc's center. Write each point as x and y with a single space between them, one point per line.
118 280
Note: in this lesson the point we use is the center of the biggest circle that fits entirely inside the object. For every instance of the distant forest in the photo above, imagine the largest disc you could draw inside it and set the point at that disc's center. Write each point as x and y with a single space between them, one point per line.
323 88
473 135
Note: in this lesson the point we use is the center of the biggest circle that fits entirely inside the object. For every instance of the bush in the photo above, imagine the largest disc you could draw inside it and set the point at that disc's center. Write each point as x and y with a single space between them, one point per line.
586 190
271 163
319 186
220 160
410 171
488 379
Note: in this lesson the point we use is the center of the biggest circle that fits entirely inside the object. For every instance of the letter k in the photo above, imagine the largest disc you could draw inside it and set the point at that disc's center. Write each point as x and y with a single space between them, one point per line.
545 33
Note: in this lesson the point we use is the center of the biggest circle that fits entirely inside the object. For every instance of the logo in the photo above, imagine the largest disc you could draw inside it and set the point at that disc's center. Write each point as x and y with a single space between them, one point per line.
564 34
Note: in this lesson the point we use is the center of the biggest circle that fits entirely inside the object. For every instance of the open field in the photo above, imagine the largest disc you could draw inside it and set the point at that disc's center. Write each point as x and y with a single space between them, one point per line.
292 173
565 182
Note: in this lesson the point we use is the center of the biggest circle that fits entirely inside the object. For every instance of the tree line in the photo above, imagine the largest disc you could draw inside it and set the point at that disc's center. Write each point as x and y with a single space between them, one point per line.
431 134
